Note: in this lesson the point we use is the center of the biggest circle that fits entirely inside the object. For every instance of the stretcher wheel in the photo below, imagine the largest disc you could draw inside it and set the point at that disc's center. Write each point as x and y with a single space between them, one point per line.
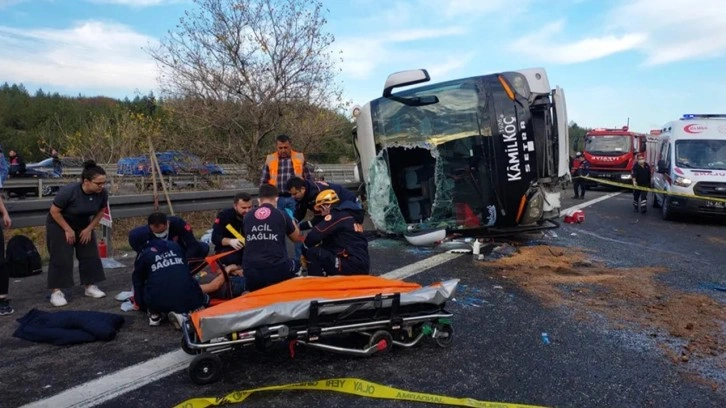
206 368
445 336
188 349
383 340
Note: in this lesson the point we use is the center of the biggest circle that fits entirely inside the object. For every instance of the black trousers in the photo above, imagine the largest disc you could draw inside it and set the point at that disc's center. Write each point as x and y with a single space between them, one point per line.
579 186
640 198
60 267
4 278
322 262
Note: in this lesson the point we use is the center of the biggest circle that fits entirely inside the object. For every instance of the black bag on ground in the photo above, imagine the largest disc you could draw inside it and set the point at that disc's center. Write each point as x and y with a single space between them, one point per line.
22 257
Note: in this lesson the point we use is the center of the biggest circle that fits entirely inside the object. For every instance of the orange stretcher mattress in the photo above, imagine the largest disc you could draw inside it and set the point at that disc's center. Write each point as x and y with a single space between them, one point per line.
289 300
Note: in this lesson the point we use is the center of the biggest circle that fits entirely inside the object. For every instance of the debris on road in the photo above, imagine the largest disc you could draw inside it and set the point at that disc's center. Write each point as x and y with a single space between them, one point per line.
630 298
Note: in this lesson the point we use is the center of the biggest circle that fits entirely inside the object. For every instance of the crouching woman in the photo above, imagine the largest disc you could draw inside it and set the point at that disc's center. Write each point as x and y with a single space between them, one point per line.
76 211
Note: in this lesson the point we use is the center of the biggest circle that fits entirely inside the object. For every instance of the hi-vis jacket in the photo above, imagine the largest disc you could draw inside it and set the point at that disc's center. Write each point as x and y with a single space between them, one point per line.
273 165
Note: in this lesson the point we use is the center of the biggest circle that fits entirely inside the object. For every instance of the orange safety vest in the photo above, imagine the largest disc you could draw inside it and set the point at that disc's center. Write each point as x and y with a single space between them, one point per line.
273 164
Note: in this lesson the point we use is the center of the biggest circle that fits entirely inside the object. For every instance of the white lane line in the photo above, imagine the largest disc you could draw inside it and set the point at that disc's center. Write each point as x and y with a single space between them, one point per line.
420 266
113 385
589 203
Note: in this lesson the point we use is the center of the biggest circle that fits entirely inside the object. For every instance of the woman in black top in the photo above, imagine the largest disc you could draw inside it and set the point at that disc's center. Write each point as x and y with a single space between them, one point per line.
74 214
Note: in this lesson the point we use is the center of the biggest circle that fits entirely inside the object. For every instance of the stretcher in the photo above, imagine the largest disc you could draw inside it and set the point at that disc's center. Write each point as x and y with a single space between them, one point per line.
313 311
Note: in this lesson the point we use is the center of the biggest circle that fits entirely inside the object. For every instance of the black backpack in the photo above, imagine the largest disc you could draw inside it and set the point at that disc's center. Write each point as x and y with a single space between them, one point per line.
22 258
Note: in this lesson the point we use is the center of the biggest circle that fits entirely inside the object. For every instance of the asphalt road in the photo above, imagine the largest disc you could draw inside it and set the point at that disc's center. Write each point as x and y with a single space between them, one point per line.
498 353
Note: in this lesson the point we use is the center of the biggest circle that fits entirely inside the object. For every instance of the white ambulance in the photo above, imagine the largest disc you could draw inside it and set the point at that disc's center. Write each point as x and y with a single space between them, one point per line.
691 162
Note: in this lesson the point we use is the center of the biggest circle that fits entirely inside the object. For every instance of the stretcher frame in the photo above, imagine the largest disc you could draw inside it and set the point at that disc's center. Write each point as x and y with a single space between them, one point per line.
390 324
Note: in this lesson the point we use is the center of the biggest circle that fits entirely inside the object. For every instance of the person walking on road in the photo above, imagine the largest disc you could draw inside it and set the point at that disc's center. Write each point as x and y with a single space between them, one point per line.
641 178
580 168
5 308
76 211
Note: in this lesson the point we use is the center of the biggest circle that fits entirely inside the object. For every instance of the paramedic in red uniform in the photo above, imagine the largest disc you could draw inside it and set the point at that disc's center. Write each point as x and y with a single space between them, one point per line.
265 262
336 245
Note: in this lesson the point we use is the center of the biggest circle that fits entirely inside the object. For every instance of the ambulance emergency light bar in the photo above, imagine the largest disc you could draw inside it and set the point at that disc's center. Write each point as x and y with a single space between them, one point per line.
702 116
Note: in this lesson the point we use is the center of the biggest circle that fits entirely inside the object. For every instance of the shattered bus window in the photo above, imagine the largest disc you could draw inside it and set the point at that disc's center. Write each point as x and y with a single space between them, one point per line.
463 154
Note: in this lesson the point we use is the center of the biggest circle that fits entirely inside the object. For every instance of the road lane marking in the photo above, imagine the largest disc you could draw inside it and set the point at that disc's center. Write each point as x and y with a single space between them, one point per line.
113 385
420 266
589 203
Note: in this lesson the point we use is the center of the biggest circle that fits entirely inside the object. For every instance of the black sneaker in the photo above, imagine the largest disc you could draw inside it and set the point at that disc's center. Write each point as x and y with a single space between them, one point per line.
5 308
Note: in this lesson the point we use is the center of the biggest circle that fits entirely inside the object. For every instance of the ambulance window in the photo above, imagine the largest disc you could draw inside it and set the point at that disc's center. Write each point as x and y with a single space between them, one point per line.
668 155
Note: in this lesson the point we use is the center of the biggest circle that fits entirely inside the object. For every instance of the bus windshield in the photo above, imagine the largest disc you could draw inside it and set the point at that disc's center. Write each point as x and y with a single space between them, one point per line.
701 154
456 115
608 145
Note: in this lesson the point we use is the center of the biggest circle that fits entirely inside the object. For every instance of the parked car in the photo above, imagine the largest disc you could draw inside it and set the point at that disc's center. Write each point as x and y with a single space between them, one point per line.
170 163
47 168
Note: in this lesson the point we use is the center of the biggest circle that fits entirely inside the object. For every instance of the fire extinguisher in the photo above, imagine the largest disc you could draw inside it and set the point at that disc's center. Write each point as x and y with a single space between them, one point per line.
102 248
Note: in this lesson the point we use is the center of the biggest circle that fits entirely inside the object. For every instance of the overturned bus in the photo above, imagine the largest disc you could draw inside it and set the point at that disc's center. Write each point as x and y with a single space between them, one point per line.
480 156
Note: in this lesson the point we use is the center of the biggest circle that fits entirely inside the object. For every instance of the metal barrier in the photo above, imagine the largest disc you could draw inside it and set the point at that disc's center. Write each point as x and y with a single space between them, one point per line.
32 213
234 176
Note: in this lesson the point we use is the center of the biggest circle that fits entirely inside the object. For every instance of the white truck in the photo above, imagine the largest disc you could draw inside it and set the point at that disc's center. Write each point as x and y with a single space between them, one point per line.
480 156
691 165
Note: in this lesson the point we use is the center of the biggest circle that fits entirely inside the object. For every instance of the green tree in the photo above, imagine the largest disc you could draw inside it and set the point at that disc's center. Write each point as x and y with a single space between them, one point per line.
577 136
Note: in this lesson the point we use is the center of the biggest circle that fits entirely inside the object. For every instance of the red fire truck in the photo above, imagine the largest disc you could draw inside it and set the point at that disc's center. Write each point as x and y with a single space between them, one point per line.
612 152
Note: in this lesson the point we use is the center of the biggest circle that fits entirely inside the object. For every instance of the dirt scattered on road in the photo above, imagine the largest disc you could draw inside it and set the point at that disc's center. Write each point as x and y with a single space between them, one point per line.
627 296
717 240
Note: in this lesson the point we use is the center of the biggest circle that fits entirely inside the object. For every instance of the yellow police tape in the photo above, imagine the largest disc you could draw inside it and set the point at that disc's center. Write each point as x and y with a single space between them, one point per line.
352 386
235 233
652 190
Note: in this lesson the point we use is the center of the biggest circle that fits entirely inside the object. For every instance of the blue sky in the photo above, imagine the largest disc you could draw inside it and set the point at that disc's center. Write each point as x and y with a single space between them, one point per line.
649 60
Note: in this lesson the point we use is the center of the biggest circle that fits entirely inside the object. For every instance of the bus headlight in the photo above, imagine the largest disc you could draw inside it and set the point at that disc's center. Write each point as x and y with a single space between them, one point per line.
534 210
682 181
626 176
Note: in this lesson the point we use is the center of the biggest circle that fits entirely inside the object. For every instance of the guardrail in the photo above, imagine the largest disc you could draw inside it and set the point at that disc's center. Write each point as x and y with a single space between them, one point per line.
234 177
32 213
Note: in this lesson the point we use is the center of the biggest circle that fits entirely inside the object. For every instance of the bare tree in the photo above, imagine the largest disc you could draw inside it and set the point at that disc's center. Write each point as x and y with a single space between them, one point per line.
234 67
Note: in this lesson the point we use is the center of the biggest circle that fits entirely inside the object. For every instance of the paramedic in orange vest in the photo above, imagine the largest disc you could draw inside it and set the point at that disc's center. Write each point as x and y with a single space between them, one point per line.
280 167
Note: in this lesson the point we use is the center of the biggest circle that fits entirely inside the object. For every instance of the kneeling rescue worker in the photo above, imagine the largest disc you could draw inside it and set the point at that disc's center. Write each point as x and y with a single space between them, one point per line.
336 245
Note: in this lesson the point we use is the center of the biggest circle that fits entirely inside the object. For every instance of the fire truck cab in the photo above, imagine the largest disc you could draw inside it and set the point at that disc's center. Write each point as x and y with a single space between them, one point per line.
612 152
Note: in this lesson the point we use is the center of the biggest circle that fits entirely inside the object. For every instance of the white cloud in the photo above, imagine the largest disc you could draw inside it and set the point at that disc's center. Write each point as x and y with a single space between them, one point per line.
543 46
103 56
442 70
459 8
678 29
361 56
8 3
665 31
